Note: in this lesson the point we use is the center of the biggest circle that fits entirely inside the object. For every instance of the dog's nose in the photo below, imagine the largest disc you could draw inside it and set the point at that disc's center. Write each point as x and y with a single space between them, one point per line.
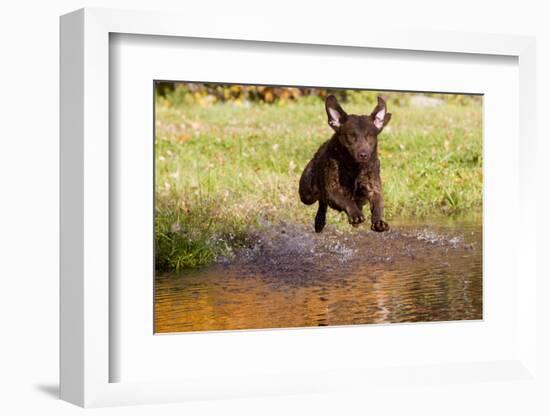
363 155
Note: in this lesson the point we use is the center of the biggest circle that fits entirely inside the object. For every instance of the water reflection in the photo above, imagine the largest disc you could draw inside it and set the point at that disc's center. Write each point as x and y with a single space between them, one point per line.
413 274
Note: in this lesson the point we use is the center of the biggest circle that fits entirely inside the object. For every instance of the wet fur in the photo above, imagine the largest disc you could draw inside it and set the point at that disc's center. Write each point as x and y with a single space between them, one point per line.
344 174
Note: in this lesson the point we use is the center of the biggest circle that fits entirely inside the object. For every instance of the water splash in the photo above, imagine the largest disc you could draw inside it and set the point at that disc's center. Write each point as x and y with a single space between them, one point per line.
291 277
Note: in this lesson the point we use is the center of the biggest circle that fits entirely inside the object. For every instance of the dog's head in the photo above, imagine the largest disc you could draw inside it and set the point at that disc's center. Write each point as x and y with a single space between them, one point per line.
358 134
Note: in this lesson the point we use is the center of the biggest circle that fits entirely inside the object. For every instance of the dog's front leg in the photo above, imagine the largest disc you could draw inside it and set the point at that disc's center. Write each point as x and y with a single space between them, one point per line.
376 202
339 197
355 215
341 201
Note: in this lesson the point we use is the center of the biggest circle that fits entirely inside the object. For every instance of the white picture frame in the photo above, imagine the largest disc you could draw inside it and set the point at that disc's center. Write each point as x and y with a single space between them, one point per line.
85 217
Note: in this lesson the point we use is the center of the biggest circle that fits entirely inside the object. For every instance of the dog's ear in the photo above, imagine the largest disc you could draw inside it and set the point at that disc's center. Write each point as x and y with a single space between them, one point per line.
380 115
336 114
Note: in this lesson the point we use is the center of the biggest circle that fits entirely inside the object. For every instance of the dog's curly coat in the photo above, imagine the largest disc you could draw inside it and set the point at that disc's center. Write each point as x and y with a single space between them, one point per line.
344 173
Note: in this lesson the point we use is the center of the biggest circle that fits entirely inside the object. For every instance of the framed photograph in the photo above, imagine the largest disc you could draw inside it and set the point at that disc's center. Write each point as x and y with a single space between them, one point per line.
237 165
274 214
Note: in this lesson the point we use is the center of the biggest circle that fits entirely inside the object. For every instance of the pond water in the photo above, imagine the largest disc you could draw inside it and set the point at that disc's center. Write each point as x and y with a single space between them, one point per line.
293 277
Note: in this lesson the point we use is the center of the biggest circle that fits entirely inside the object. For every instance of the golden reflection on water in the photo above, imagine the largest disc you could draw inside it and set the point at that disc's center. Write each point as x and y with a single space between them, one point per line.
442 285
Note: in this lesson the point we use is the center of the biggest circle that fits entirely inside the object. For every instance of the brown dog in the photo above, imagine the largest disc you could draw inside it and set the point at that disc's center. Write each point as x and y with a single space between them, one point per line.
345 172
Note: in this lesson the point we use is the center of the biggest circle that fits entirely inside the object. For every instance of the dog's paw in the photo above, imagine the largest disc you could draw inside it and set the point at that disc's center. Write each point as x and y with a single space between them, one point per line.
380 226
356 218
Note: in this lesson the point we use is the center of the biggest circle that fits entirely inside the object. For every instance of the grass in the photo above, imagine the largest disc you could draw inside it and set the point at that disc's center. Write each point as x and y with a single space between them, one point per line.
224 170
